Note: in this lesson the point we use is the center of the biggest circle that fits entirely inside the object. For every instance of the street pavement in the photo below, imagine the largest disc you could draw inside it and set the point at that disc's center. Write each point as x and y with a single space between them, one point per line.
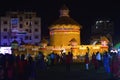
77 72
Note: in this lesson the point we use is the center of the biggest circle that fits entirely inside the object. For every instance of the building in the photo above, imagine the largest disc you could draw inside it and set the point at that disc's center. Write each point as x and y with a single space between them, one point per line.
103 27
20 26
65 36
64 30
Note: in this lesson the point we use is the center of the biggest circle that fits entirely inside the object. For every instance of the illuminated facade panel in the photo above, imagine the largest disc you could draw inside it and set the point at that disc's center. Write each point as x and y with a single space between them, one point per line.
62 38
25 26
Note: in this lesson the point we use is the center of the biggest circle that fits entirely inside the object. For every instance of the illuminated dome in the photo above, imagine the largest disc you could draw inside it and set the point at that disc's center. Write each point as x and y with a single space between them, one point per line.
64 29
65 20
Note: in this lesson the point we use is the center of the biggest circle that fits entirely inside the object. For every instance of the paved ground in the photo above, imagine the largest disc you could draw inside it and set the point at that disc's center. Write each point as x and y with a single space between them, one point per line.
77 72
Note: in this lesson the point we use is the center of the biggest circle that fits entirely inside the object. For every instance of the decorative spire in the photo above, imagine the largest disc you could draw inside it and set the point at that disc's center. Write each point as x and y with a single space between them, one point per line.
64 11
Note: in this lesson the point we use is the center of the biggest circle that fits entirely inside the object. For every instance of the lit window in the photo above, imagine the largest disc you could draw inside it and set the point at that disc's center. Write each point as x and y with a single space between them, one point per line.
96 22
96 27
107 21
100 21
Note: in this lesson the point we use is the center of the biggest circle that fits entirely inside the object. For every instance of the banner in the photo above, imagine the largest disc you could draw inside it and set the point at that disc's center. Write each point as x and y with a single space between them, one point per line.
14 24
5 50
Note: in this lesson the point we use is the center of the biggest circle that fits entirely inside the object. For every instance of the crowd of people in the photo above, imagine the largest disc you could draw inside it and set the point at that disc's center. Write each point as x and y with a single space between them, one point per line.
109 60
25 67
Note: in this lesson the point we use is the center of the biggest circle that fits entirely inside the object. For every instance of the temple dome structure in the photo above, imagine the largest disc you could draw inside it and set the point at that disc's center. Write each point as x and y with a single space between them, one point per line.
64 29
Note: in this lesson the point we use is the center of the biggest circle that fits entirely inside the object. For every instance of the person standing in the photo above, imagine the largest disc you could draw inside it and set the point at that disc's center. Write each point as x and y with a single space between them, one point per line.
68 61
114 65
118 72
106 62
99 59
94 61
87 61
2 73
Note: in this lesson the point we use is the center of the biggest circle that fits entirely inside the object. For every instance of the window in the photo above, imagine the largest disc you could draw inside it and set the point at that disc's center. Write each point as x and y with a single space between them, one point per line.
30 31
27 23
36 30
29 37
21 26
5 29
21 18
36 44
5 44
5 37
14 16
96 27
26 30
4 22
26 37
12 37
36 22
15 37
30 16
30 24
26 16
36 37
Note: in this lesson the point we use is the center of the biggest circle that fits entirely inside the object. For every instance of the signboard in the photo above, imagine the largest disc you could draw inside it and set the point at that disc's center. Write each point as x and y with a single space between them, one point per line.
4 50
14 24
21 32
15 27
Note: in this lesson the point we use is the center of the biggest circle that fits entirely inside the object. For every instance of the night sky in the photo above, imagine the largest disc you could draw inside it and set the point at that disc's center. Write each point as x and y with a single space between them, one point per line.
85 12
